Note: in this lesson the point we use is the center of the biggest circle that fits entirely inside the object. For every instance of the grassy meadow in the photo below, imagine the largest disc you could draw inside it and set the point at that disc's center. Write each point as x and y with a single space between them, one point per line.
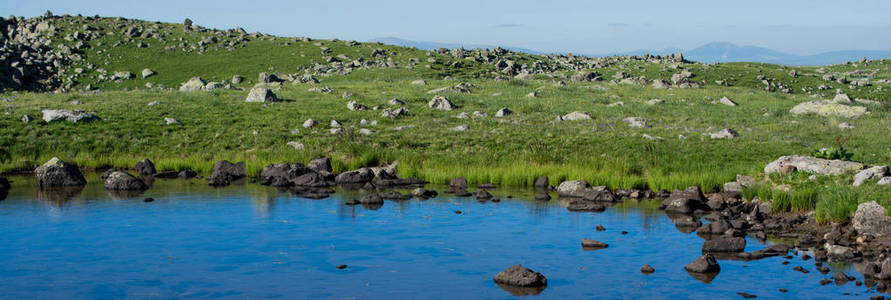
674 150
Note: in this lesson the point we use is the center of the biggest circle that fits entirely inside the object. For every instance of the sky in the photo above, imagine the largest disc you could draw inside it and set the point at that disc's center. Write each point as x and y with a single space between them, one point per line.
800 27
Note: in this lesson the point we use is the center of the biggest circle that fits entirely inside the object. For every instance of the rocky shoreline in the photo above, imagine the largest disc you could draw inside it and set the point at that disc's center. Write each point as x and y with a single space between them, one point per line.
863 241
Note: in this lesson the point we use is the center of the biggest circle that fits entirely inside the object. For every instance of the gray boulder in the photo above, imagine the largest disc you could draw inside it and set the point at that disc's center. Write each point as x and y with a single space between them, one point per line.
726 133
813 165
726 101
261 94
57 173
871 219
877 172
577 116
146 73
122 181
73 116
362 175
441 103
828 108
194 84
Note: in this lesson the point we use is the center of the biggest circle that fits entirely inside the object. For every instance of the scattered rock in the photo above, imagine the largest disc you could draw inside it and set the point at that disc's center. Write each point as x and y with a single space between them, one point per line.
647 269
726 101
224 172
726 133
145 167
441 103
577 116
261 94
146 73
635 122
73 116
354 106
194 84
503 112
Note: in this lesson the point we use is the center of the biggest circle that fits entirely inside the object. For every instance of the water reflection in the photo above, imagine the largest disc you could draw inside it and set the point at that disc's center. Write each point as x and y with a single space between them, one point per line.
58 196
124 195
521 291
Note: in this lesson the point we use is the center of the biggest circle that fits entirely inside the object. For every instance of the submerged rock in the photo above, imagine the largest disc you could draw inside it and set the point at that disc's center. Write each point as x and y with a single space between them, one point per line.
58 173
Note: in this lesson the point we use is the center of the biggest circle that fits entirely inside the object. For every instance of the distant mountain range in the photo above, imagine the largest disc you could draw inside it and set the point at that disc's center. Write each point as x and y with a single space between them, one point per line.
708 53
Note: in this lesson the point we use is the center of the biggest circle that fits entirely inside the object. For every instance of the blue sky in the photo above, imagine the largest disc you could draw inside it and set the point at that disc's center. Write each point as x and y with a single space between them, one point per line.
795 26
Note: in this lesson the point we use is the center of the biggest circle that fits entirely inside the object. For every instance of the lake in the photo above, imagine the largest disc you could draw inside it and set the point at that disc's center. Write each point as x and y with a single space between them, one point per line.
253 241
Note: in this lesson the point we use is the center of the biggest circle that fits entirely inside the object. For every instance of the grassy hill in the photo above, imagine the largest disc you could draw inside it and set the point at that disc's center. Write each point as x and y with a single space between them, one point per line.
673 149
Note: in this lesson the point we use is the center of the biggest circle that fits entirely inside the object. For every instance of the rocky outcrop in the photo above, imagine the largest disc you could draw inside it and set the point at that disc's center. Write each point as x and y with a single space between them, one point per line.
576 116
57 173
877 172
813 165
828 108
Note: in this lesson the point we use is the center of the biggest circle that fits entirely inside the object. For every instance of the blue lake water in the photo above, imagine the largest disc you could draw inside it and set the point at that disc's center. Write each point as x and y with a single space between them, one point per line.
251 241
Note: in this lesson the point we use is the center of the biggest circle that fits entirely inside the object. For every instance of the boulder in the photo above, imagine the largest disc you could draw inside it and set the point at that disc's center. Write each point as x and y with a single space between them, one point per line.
572 188
724 245
703 264
482 195
194 84
356 176
145 167
885 273
123 181
685 201
726 133
320 165
577 116
813 165
635 122
877 172
187 174
588 243
372 199
884 181
264 77
423 193
726 101
871 219
459 183
441 103
73 116
57 173
828 108
839 252
503 112
521 277
542 182
354 106
261 94
224 172
146 73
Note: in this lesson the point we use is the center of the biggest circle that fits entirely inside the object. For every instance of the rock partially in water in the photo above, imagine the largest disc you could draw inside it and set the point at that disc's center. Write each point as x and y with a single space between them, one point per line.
422 193
724 245
356 176
372 199
224 172
542 182
592 244
123 181
685 201
58 173
187 174
482 195
459 183
519 276
647 269
704 264
145 167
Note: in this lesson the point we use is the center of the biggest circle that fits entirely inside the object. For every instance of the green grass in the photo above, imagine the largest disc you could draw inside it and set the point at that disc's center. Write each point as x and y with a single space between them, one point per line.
512 151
